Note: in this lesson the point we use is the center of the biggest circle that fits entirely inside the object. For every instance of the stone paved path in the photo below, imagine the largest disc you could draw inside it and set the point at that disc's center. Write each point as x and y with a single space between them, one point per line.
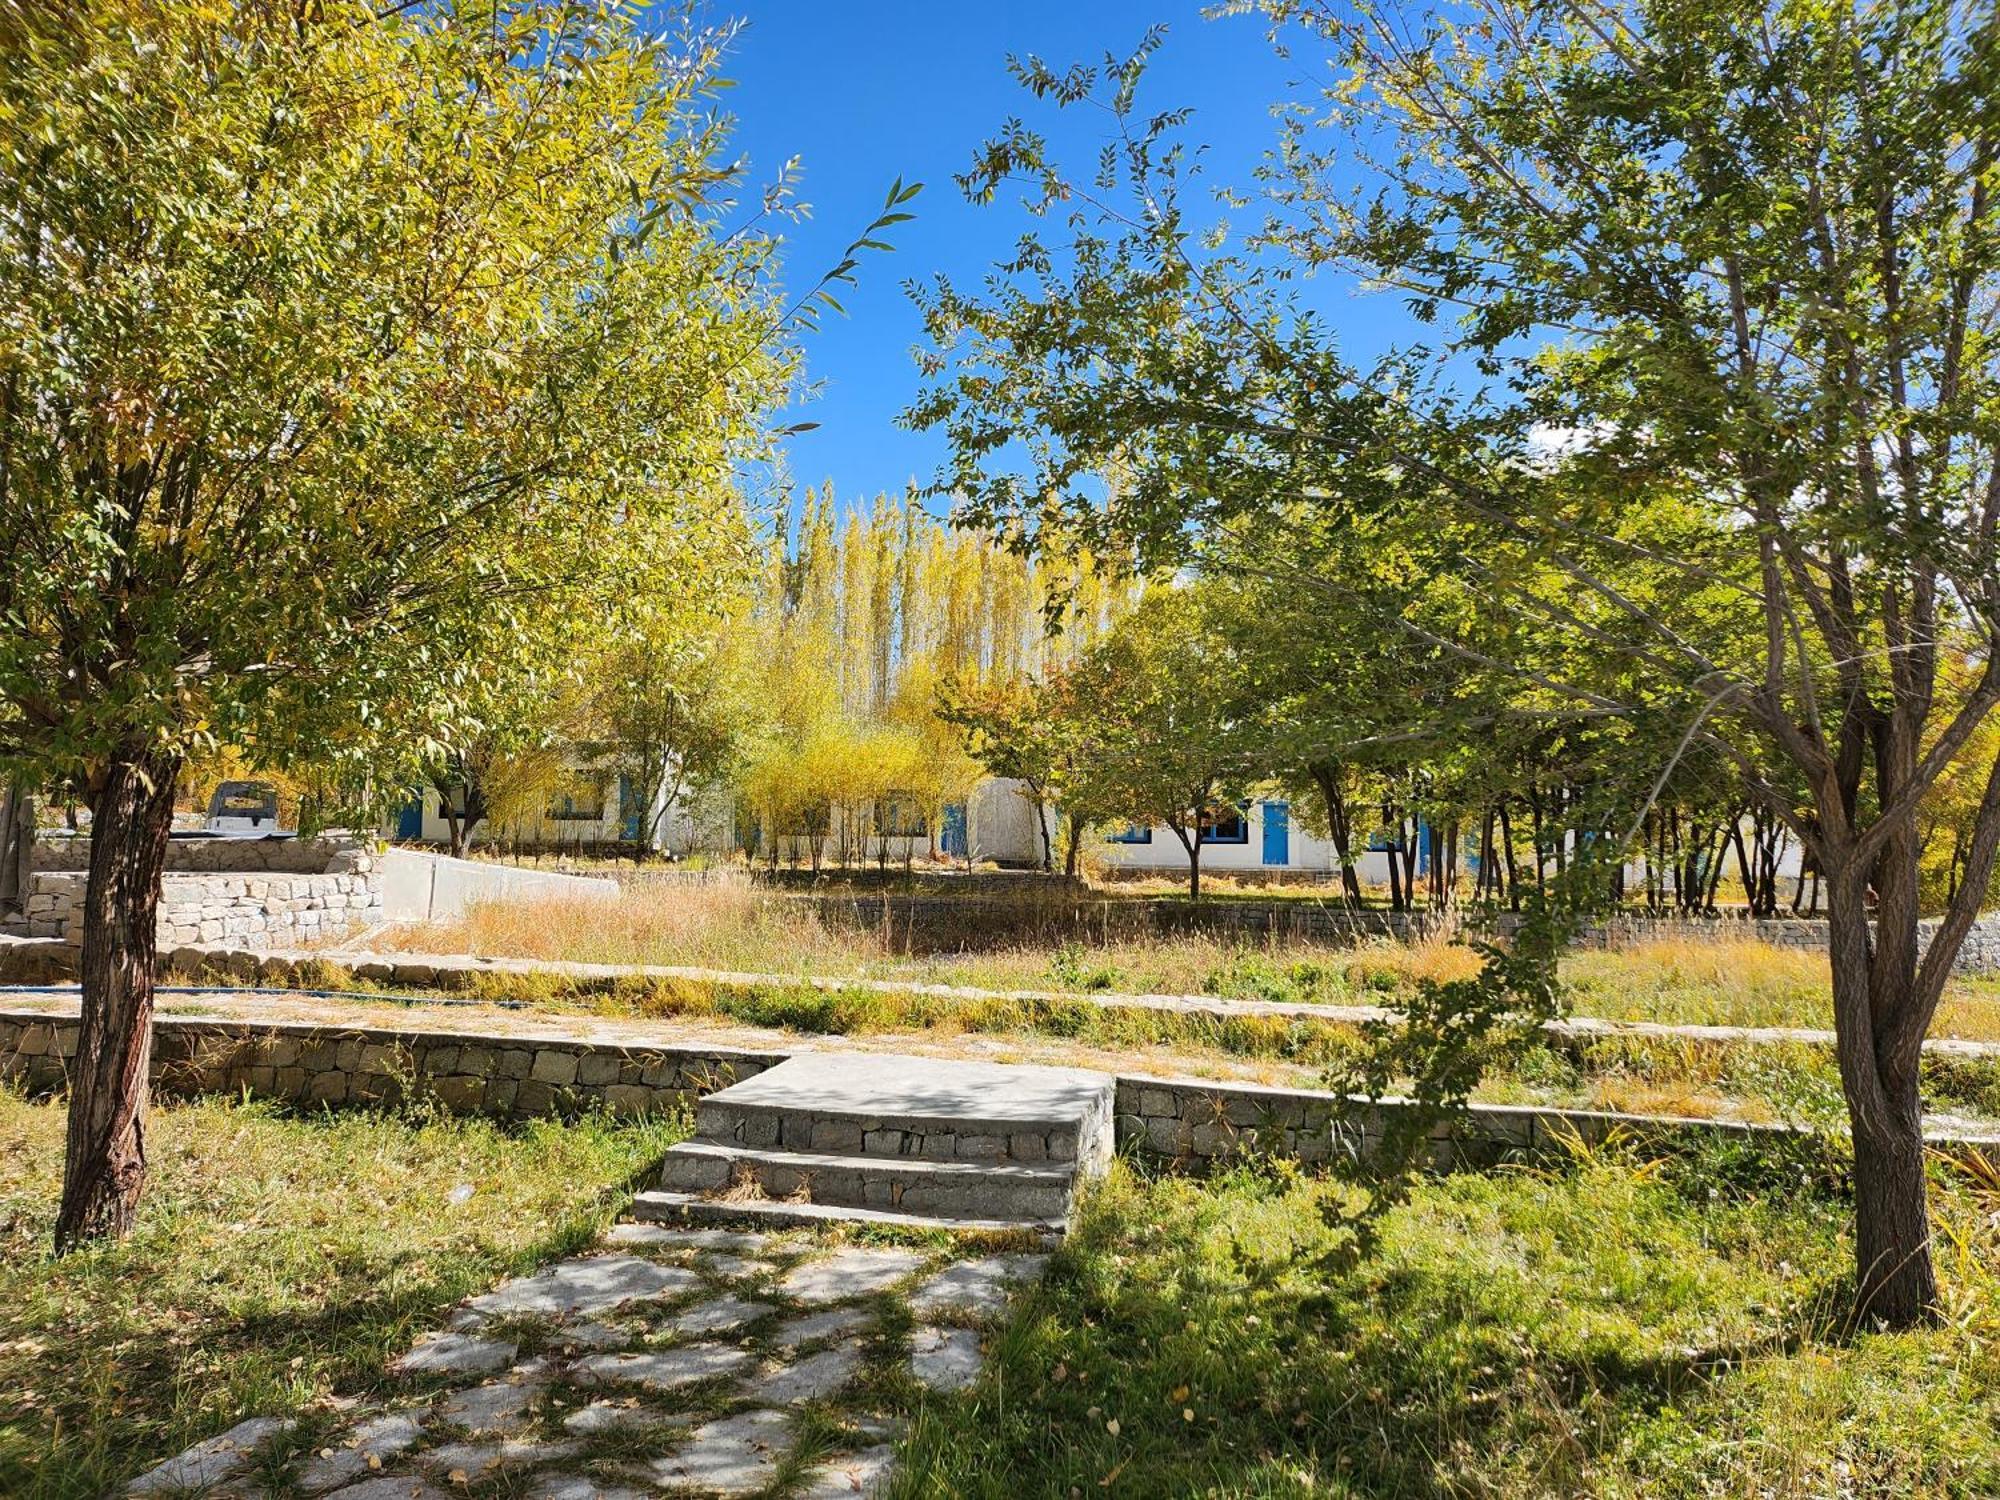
666 1361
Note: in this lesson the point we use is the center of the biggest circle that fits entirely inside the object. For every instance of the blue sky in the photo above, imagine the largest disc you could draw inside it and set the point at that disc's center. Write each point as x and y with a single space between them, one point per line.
865 93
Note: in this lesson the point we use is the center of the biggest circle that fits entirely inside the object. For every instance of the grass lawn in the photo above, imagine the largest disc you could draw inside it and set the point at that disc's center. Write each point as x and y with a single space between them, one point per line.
1616 1328
1613 1326
279 1259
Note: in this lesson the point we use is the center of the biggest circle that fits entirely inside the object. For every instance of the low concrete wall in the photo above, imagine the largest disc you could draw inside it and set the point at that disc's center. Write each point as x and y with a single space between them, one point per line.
1195 1124
424 887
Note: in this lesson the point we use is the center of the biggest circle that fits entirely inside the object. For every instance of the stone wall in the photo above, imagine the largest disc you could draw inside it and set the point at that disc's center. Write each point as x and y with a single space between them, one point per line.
246 911
329 854
1199 1124
248 892
1193 1124
465 1074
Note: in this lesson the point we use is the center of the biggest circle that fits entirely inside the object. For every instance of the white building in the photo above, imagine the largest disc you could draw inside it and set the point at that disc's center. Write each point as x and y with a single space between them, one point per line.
1261 835
594 808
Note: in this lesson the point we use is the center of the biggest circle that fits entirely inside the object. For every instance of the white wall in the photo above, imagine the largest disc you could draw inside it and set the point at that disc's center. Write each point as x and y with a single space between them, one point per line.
1003 830
418 886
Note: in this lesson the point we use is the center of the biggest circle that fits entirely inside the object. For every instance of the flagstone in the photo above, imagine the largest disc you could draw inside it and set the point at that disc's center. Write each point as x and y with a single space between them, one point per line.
851 1272
736 1455
663 1369
587 1284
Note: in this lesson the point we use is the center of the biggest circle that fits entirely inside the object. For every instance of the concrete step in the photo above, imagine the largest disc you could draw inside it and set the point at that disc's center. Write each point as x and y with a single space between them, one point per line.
662 1207
950 1189
861 1104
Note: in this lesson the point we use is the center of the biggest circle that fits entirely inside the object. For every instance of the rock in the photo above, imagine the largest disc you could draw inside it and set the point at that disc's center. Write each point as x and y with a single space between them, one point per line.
863 1473
812 1379
456 1354
579 1487
476 1460
945 1359
662 1370
209 1463
383 1438
732 1267
821 1325
609 1416
388 1487
588 1335
586 1285
489 1409
978 1288
737 1455
853 1272
665 1237
719 1316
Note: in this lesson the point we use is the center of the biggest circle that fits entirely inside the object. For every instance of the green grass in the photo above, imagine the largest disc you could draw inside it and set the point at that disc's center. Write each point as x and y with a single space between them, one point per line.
1614 1329
279 1259
1613 1326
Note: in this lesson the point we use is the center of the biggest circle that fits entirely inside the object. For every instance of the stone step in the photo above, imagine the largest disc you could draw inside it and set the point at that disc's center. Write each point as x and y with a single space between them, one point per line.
863 1104
949 1189
662 1207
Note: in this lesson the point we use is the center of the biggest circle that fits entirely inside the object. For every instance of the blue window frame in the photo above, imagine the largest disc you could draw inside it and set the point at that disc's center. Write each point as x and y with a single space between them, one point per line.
1225 825
1131 833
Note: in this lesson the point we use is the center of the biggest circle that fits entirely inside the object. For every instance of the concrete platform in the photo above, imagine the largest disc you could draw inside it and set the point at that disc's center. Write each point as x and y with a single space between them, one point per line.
896 1139
922 1089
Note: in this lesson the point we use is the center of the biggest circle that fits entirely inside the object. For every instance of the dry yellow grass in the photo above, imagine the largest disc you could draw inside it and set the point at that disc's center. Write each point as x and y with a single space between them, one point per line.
1678 979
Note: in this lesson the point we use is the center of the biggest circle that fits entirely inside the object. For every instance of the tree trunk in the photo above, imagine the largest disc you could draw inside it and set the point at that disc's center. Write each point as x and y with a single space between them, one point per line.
1508 867
17 849
1192 846
1894 1281
1340 828
105 1166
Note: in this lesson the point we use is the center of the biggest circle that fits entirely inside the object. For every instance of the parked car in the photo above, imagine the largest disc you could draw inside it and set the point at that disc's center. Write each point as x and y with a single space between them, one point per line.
243 807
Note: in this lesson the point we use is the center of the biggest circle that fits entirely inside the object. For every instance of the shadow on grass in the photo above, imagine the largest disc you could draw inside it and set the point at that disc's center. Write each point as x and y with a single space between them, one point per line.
1210 1340
251 1288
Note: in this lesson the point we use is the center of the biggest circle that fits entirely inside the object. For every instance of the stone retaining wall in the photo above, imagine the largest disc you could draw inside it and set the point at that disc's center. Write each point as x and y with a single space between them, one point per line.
1199 1124
245 911
463 1073
328 854
1196 1124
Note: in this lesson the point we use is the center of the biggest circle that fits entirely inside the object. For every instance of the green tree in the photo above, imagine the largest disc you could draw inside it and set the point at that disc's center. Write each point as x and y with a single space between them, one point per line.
1170 747
1729 278
347 349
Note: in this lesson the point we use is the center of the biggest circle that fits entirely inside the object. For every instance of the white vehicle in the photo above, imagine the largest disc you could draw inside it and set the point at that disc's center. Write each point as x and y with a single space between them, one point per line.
241 807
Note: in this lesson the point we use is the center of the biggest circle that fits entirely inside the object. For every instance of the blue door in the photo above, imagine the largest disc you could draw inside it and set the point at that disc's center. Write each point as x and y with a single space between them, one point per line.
410 819
1277 833
954 830
628 811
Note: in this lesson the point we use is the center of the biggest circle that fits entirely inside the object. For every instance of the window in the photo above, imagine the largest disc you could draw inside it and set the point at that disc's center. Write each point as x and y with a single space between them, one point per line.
900 816
1131 833
581 801
1225 825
